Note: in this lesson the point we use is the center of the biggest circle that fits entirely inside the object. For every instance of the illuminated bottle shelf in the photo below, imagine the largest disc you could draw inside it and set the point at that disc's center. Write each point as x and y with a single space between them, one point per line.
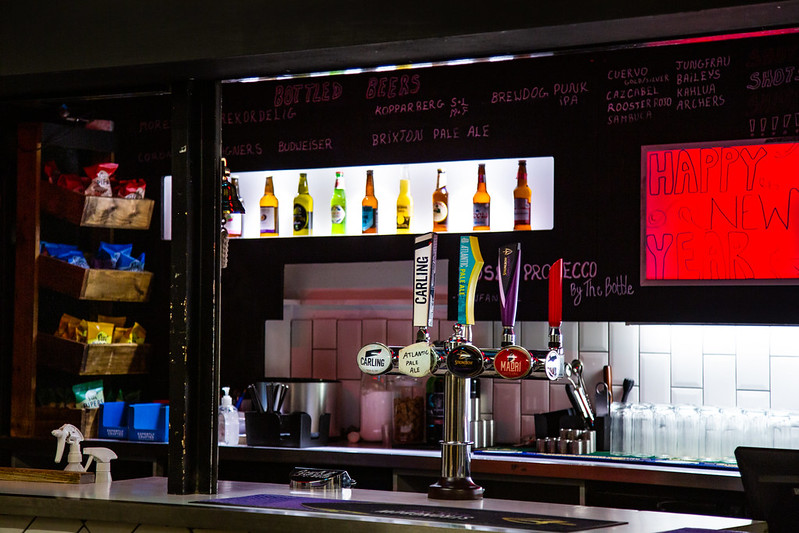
461 185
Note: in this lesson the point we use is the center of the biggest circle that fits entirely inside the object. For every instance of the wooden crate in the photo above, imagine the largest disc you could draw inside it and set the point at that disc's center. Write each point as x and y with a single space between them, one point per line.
95 211
50 418
94 283
92 359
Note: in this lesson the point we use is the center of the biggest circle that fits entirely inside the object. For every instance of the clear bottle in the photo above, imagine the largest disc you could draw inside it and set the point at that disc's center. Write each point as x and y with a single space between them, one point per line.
268 204
404 206
522 199
228 420
338 207
441 203
303 208
369 206
481 202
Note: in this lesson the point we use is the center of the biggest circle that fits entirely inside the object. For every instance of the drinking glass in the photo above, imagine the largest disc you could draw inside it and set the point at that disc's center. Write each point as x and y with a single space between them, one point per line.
665 428
687 432
795 430
779 428
755 428
620 430
643 436
733 430
710 430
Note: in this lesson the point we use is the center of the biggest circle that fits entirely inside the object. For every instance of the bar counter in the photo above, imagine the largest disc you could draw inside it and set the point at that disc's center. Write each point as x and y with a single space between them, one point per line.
145 501
570 480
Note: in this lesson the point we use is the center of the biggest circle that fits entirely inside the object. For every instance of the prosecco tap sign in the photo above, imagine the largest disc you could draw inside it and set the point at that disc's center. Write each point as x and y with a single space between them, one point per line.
720 213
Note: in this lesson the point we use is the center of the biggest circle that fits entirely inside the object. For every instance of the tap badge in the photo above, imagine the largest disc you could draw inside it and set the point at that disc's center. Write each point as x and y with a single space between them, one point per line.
513 362
465 361
374 358
554 365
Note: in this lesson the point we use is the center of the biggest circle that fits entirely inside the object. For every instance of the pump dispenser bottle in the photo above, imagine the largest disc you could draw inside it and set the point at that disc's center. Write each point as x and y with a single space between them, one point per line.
228 420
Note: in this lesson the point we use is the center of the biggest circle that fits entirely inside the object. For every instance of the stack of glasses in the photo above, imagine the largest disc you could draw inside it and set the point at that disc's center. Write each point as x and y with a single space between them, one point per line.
697 434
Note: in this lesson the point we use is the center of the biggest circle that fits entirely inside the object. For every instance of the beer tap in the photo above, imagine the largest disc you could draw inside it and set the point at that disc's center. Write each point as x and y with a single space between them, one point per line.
464 361
459 360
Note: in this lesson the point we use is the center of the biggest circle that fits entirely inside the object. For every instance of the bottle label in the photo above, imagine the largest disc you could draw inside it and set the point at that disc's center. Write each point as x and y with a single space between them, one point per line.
403 217
268 220
300 218
233 225
440 212
337 214
521 211
369 218
482 214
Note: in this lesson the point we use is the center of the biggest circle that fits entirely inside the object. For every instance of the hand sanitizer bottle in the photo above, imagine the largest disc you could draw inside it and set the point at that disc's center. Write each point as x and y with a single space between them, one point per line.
228 420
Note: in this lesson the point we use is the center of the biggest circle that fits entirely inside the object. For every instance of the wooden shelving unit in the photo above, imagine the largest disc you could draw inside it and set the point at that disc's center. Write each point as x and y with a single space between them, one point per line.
34 350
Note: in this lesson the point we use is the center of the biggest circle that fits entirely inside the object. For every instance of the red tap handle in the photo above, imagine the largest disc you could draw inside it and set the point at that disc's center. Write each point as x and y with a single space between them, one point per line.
556 294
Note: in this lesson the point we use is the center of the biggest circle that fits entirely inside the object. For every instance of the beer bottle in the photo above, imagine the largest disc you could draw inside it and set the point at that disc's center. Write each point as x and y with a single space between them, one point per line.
522 199
440 203
338 207
268 204
481 202
303 208
404 207
369 206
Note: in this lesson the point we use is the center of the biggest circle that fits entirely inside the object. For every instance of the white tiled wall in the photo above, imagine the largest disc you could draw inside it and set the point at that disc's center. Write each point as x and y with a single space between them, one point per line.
744 366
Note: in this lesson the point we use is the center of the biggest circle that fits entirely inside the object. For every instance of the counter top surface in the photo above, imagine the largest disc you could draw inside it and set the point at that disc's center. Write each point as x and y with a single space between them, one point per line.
147 500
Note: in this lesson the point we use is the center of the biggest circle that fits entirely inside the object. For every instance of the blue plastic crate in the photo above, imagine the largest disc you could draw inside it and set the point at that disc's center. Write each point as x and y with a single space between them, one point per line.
113 420
148 422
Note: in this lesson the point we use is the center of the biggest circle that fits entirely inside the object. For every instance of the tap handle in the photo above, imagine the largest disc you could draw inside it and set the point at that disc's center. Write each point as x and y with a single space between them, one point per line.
424 279
508 269
470 263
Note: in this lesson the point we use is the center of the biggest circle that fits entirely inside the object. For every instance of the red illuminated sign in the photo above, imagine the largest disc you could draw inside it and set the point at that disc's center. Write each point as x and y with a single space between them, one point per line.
720 213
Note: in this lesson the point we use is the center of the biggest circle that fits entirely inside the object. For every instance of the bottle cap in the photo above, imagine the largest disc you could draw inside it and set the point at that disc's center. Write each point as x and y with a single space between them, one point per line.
375 359
513 362
465 361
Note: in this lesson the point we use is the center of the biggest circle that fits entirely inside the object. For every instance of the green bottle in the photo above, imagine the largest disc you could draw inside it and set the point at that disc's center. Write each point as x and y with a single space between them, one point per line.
338 207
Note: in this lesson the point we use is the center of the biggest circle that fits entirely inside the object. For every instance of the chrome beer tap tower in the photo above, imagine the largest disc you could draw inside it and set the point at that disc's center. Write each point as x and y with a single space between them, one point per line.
459 360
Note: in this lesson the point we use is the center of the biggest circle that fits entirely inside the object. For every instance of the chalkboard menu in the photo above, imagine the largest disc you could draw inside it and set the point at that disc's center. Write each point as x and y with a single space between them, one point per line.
592 111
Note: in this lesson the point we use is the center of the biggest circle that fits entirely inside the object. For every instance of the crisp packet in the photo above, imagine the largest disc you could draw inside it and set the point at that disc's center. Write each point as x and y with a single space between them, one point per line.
72 182
131 189
88 395
64 252
137 333
75 257
100 332
82 331
122 335
52 172
108 254
101 179
67 327
54 249
126 262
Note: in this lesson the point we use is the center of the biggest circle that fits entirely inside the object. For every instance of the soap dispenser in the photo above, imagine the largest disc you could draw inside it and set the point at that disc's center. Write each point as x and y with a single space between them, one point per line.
228 420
